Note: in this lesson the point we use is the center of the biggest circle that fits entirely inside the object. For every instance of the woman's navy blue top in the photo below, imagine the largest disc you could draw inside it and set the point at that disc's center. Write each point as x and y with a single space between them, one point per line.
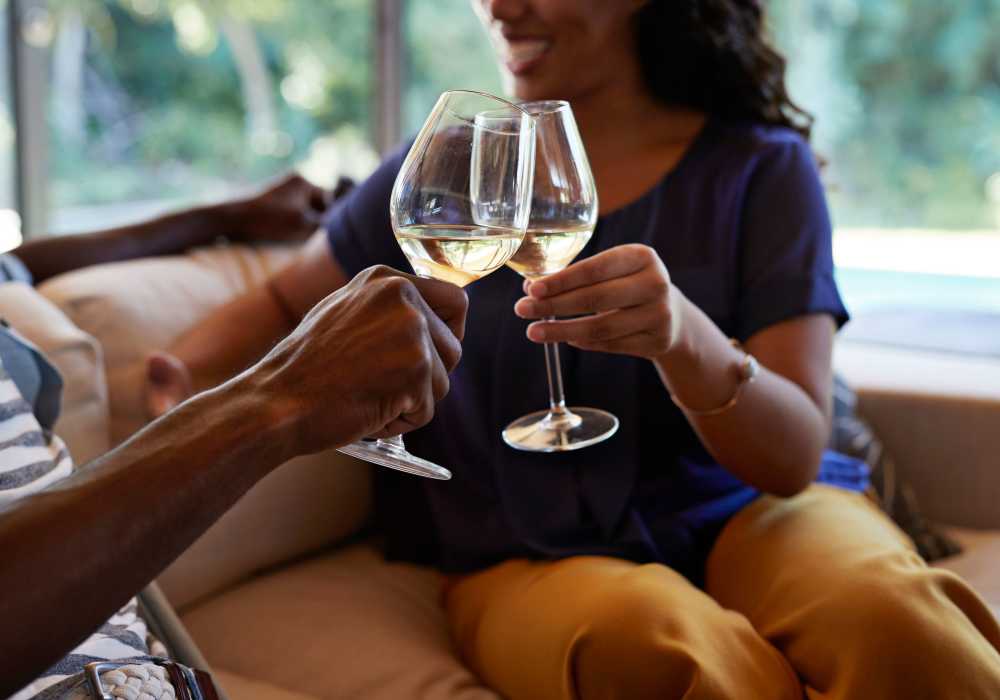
743 228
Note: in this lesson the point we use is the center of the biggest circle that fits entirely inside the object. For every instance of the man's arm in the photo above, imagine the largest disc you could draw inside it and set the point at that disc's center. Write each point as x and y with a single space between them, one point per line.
371 359
290 210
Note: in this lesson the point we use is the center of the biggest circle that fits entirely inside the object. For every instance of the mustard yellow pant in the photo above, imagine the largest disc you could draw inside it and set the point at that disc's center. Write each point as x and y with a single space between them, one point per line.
819 596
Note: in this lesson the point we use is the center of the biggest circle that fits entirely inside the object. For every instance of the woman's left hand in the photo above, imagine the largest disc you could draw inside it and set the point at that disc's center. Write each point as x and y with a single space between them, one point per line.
630 304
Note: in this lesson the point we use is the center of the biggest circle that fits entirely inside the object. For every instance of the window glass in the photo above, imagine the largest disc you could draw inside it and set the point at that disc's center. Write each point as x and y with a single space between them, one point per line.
445 47
10 221
157 103
907 100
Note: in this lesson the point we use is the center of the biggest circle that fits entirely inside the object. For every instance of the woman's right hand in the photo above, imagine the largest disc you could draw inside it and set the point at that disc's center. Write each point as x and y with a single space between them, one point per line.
166 384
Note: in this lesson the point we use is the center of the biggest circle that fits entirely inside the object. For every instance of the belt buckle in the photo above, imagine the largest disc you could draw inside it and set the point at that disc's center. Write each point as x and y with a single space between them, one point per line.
92 672
184 682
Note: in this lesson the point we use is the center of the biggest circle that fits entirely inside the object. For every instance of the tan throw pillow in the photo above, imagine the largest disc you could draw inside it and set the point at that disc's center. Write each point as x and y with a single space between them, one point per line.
142 305
83 423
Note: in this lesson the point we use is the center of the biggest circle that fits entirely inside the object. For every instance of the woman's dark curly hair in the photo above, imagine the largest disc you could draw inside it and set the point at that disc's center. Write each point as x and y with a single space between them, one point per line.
712 55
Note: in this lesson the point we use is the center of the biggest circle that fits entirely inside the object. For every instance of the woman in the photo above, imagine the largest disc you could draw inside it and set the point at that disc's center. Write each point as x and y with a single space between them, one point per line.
692 555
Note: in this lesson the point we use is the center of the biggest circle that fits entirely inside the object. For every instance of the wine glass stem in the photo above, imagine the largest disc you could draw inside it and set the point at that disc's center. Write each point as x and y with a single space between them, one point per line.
394 441
557 396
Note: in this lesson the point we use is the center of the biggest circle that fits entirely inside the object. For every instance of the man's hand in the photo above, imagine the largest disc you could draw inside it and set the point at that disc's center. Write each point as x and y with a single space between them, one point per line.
289 210
372 359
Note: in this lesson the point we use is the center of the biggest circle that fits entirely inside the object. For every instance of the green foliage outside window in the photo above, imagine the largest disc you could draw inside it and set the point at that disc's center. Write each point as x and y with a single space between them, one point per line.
166 98
907 99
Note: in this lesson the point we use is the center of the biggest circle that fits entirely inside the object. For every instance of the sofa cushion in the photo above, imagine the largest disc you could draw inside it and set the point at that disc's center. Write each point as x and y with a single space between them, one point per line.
239 687
306 504
938 415
979 563
343 625
134 307
83 421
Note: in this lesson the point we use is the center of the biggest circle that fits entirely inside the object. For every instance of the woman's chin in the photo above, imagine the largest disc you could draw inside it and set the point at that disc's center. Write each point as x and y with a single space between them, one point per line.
528 89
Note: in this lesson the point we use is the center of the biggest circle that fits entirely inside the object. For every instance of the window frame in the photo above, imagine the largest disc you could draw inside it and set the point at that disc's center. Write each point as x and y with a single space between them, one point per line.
28 84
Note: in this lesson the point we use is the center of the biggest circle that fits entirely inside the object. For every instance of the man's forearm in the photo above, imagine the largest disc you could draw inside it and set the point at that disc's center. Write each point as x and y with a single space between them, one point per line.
76 552
50 256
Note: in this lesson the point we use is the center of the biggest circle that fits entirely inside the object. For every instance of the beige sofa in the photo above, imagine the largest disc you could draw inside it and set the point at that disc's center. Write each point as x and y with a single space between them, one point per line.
286 604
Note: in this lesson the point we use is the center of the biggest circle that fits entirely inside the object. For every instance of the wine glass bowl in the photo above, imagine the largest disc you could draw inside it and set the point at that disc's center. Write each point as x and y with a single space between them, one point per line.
459 210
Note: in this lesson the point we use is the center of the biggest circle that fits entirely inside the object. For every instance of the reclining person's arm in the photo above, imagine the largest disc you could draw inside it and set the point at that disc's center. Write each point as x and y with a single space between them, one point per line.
290 210
357 231
371 359
237 334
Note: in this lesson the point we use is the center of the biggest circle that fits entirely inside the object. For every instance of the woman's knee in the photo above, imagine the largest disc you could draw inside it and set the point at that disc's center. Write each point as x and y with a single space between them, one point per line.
653 635
918 628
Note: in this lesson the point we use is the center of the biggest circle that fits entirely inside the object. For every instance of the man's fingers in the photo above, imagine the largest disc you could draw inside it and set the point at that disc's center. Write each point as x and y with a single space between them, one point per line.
418 414
617 293
439 382
617 262
446 300
446 343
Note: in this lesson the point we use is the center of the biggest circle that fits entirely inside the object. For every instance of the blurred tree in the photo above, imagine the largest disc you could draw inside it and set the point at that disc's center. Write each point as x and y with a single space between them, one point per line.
162 98
907 97
446 48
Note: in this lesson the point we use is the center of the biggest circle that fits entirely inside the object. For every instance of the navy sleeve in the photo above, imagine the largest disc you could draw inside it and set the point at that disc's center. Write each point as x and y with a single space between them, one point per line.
13 270
786 248
358 226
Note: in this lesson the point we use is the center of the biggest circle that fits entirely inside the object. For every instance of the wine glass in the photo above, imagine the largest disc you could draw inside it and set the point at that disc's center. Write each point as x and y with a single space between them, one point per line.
563 216
459 210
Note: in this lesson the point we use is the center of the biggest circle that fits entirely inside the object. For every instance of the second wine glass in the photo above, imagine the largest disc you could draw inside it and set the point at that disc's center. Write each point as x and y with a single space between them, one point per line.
563 216
459 210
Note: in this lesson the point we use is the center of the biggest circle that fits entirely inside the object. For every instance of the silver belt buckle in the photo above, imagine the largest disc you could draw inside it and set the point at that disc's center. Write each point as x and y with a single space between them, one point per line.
93 671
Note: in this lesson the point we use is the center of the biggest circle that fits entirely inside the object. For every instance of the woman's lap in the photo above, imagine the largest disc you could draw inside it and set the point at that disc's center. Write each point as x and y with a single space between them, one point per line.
808 576
598 627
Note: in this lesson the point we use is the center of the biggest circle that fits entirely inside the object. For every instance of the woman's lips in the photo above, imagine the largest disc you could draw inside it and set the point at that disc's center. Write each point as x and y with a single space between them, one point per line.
521 55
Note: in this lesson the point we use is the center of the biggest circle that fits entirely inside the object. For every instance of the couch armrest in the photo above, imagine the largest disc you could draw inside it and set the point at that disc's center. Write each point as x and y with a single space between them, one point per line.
939 416
137 306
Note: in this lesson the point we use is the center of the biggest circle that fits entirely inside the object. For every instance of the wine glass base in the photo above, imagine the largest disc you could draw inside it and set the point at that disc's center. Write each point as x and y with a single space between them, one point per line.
385 454
543 432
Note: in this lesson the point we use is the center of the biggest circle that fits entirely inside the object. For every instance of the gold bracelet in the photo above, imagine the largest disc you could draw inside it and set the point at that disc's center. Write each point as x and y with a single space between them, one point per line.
748 370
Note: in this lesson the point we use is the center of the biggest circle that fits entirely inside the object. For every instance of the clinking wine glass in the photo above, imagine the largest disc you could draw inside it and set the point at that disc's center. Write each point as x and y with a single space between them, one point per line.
459 211
563 215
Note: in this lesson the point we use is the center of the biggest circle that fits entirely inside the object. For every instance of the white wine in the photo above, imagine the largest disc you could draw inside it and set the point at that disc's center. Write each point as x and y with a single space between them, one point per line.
550 249
457 254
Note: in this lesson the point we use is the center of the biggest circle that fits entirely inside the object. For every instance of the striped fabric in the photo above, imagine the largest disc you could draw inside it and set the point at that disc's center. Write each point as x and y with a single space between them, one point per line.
30 460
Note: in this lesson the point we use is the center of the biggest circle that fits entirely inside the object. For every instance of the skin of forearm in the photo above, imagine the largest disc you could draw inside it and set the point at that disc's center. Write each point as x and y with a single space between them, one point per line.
233 337
49 256
773 438
76 552
240 332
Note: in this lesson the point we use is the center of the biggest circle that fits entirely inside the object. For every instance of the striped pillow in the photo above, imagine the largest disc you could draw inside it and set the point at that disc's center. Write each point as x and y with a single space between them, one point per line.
30 460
